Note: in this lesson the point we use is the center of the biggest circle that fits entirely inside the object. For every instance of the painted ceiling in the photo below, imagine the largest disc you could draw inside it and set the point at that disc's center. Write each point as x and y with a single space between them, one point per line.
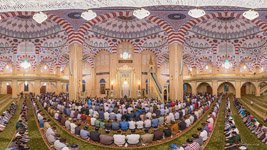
204 38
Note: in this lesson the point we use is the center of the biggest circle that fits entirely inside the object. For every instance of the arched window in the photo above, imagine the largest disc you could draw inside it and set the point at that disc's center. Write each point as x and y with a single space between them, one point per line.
102 83
26 87
83 85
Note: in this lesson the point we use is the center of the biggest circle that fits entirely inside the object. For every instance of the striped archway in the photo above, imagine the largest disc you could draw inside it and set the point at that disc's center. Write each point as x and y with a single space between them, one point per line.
79 38
182 31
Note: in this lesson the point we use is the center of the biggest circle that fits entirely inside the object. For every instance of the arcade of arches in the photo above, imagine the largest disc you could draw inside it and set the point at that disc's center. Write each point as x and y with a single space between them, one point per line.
118 55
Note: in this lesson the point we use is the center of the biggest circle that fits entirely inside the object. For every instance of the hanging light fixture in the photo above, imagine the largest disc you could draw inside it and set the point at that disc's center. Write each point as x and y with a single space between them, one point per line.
88 15
251 14
25 63
39 17
141 13
227 64
26 83
196 12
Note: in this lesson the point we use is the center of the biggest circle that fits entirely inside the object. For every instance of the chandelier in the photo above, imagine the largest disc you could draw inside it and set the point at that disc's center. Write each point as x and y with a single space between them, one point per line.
25 64
88 15
141 13
227 64
39 17
251 14
196 13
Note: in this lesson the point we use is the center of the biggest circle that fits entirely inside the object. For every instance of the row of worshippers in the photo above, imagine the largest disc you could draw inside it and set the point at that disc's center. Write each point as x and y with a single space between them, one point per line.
252 122
233 139
7 115
198 139
53 138
74 125
134 118
21 138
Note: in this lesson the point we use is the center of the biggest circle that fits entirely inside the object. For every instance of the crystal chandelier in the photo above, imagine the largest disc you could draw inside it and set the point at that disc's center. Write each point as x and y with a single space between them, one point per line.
251 14
227 64
25 64
39 17
141 13
88 15
196 13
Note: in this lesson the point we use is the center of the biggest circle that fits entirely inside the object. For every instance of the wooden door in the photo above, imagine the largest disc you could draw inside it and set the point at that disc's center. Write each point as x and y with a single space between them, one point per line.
8 89
43 89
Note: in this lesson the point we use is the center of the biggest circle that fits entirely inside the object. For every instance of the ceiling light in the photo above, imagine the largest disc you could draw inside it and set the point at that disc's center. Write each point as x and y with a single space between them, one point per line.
227 64
44 84
45 67
39 17
207 67
88 15
7 83
141 13
245 67
25 64
26 83
196 13
262 69
251 14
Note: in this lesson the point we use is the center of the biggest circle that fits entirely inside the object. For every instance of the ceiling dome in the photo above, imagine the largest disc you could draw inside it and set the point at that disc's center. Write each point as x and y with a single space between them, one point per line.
126 27
26 27
222 27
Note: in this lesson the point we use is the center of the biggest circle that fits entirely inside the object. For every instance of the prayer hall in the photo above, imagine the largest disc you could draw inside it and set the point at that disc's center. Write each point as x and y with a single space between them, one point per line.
133 74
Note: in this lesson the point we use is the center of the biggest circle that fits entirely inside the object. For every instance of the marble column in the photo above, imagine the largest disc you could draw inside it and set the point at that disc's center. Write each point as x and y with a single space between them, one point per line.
214 87
37 87
238 89
176 73
194 87
75 75
112 76
258 89
59 87
14 88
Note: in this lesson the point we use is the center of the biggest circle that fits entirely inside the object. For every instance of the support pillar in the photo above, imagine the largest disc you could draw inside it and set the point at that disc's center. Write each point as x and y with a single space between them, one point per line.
214 87
37 86
258 89
75 75
194 87
59 87
176 72
238 89
14 88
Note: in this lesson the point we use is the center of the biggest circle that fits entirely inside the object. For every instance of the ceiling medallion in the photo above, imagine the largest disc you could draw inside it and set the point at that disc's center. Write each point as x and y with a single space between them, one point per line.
177 16
75 15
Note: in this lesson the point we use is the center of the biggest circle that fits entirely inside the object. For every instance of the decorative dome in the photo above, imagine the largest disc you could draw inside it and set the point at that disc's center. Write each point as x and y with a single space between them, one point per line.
26 27
217 27
126 27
